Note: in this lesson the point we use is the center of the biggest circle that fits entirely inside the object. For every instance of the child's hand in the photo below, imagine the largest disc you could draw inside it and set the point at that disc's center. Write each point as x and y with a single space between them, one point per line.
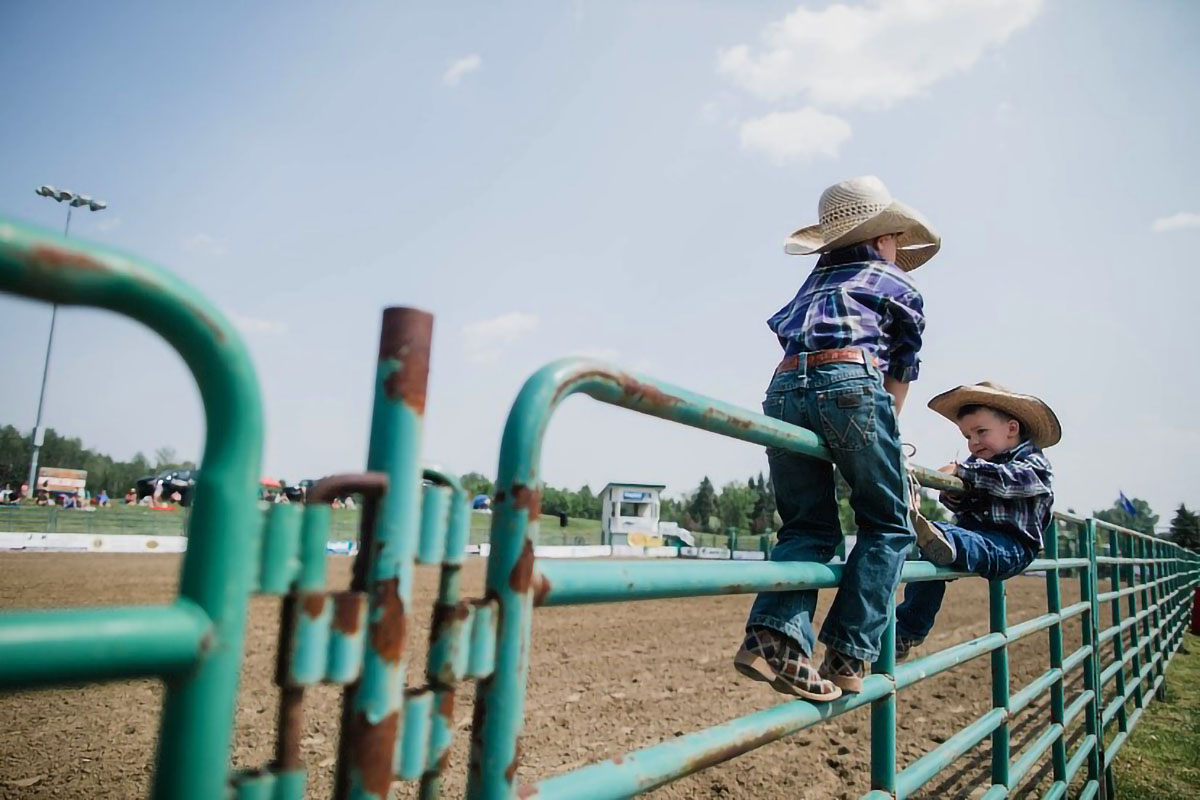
950 468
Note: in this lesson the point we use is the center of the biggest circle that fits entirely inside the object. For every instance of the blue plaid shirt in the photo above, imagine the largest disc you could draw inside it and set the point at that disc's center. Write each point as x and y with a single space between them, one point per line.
853 298
1012 494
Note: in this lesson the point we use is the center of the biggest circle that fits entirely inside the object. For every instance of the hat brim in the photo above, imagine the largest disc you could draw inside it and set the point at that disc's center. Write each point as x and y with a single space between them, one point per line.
1038 419
918 243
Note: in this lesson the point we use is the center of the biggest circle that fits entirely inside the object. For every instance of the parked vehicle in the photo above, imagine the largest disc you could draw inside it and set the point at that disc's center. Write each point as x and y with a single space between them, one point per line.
173 480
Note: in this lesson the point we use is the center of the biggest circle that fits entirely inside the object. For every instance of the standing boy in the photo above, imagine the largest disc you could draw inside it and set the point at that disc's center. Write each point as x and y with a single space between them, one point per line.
1007 504
850 339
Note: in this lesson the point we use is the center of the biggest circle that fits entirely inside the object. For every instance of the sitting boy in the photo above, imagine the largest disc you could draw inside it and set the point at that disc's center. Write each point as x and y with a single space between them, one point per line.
1000 517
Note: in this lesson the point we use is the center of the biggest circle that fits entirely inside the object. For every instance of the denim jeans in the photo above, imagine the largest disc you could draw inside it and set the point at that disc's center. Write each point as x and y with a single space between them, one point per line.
848 407
994 556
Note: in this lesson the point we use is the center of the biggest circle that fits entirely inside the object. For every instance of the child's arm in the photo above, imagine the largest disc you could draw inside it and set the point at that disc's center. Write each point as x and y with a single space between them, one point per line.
897 390
1027 477
906 325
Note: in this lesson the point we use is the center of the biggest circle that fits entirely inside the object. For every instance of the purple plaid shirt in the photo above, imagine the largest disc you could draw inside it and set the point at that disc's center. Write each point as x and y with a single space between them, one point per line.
853 298
1012 494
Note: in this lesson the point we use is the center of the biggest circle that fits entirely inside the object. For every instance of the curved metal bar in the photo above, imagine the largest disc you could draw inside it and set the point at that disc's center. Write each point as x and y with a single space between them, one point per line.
224 528
499 705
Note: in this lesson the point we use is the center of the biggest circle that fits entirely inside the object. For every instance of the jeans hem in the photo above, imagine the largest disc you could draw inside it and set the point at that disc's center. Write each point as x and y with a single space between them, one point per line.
870 656
790 629
908 634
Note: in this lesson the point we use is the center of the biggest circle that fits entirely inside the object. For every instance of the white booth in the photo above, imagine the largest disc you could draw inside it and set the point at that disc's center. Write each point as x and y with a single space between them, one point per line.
629 514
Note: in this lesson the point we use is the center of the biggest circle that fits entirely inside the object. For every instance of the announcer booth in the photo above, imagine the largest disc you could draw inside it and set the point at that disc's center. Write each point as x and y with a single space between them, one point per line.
629 514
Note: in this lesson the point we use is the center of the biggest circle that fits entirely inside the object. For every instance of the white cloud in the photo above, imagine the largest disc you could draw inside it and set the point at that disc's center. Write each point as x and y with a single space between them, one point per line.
787 136
460 68
485 339
204 244
1176 222
872 55
255 325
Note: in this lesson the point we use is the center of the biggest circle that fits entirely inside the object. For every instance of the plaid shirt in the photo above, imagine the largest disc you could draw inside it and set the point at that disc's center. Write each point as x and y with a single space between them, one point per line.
1012 494
853 298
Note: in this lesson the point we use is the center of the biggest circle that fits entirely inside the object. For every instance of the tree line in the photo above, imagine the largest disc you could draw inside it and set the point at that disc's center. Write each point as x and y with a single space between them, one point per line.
746 506
103 471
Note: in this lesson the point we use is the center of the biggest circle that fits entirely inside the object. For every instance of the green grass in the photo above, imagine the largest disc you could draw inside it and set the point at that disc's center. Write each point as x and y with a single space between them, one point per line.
1161 759
122 519
118 519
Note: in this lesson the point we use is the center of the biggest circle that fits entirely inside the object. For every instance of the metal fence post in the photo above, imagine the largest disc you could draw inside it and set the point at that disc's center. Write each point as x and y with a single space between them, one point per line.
998 623
883 712
1057 691
1118 642
373 708
1157 552
1091 669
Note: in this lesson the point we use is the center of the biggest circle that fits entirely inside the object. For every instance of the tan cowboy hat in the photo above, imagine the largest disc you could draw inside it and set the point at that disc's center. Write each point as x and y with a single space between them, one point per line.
1036 417
862 209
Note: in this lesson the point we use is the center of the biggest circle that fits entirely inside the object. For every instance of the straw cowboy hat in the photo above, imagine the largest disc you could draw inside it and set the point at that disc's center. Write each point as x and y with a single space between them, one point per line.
862 209
1036 417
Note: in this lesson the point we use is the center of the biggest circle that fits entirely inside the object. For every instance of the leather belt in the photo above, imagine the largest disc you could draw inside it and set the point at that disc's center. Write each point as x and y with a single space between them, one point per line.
842 355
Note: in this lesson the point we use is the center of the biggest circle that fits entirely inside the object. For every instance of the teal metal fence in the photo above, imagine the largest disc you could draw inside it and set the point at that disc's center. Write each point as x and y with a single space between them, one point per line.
1153 578
1134 593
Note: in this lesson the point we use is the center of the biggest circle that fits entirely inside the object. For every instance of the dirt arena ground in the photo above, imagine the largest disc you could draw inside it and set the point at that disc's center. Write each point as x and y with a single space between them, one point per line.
604 680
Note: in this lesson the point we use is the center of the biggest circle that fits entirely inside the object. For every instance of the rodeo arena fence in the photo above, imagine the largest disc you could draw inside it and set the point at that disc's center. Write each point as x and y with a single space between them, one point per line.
357 638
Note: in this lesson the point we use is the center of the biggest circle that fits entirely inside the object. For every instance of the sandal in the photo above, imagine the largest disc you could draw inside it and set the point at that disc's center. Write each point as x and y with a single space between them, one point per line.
796 675
758 649
905 646
846 672
933 543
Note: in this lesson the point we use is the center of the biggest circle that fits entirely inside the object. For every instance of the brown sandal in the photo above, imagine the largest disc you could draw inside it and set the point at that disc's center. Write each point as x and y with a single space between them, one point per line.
846 672
753 660
796 675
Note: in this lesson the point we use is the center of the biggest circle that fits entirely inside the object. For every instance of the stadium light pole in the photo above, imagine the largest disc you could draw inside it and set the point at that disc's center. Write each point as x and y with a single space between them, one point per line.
73 201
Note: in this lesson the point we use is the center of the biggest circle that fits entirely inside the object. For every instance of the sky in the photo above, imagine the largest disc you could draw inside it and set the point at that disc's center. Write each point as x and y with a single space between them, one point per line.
613 180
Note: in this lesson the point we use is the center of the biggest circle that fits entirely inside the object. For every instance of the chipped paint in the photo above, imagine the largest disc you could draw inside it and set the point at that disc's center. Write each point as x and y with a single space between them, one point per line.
387 630
521 576
405 342
348 610
313 604
528 499
372 749
541 588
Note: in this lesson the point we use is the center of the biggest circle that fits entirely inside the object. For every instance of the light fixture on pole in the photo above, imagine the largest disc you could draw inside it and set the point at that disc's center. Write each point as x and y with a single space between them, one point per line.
73 201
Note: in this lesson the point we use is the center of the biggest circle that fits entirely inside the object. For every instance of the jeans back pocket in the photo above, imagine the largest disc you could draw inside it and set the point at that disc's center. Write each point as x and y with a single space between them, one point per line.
847 417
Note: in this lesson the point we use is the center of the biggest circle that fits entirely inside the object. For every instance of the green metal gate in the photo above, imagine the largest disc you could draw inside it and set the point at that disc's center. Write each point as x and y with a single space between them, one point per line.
357 638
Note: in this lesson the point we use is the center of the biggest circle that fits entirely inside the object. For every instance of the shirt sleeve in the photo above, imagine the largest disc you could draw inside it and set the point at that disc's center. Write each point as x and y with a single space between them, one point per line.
951 500
907 325
1018 478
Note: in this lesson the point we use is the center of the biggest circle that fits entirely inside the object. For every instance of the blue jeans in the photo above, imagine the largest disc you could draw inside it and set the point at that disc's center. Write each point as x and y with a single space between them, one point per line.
847 405
994 556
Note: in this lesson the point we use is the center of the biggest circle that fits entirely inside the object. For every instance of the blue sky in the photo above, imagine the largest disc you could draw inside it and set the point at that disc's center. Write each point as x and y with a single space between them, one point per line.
614 180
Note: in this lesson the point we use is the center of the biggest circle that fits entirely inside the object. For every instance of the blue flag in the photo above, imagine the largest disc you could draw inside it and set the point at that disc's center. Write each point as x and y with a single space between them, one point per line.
1129 507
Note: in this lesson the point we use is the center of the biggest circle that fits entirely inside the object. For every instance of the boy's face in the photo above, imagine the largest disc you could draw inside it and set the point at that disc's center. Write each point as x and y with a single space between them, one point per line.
988 434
